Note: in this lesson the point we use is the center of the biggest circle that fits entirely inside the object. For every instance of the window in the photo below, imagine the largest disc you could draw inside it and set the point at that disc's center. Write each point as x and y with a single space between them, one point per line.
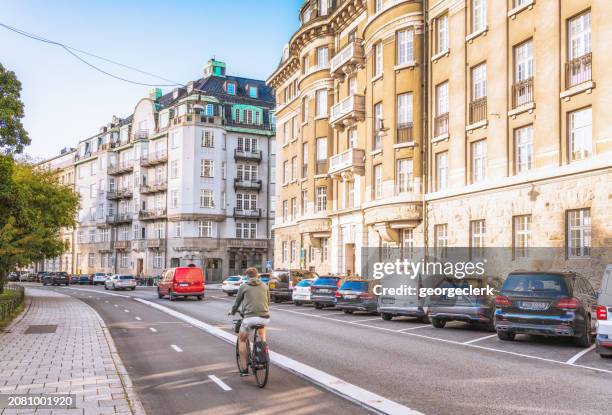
208 139
304 202
579 35
352 85
407 242
231 88
246 201
305 110
175 139
479 81
441 120
404 176
404 111
477 238
322 57
352 138
204 229
523 153
246 230
521 235
285 172
293 208
206 198
174 169
578 233
178 229
378 60
378 125
479 160
580 134
321 103
378 5
321 149
377 181
321 199
293 168
405 47
441 240
441 171
324 249
93 167
247 172
442 34
247 144
304 160
479 15
123 260
206 168
91 259
174 198
253 91
293 251
285 246
157 260
523 61
158 230
350 194
209 110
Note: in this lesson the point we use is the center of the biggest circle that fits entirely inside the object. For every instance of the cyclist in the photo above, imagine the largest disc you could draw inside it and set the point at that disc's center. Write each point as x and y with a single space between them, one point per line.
253 300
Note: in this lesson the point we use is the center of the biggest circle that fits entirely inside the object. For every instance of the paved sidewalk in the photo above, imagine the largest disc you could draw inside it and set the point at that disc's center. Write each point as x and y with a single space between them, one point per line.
78 358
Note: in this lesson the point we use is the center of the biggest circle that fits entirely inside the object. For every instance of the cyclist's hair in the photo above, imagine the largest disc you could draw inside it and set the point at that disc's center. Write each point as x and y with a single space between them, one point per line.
252 272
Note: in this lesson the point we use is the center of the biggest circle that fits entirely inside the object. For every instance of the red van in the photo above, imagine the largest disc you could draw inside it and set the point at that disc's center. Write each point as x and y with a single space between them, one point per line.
181 282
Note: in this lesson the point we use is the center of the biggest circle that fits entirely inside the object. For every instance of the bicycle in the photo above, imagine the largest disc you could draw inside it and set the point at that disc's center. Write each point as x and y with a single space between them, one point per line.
257 359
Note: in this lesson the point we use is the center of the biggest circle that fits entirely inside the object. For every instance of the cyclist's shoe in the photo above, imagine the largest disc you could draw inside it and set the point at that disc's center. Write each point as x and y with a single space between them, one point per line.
244 373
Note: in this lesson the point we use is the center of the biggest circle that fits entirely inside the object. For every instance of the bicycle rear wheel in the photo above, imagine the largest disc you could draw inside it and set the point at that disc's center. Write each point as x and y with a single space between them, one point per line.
238 360
260 370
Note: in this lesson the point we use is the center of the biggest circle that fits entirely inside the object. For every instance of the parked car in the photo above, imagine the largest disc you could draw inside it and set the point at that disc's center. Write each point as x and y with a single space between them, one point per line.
120 282
603 340
99 278
302 292
181 282
56 278
32 277
85 279
357 295
74 279
23 276
40 275
396 302
231 284
548 304
282 282
13 277
323 291
476 309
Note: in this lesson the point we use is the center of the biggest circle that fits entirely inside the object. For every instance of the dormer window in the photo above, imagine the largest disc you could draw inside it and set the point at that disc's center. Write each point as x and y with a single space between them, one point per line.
253 91
208 110
230 88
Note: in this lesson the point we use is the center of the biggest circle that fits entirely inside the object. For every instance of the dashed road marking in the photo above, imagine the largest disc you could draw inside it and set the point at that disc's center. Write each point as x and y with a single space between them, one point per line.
154 330
115 305
138 318
365 319
220 383
127 311
413 328
577 356
176 348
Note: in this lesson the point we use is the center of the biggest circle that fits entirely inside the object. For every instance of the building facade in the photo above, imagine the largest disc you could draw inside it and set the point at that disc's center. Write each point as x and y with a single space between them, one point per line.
183 180
466 123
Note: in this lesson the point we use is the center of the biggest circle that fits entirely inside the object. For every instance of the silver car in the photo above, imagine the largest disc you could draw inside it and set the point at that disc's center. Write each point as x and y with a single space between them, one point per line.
120 282
603 340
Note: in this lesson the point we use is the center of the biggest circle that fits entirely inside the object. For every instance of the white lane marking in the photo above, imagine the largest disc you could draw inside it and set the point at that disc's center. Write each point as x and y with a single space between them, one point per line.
127 311
115 305
138 318
479 339
176 348
106 301
331 383
366 319
577 356
153 329
220 383
413 328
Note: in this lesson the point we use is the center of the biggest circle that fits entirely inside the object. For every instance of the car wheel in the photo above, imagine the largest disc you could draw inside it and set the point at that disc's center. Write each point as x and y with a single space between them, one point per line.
506 335
437 323
106 287
319 306
159 294
386 316
585 339
348 311
133 288
230 294
425 319
297 303
277 300
171 296
44 284
200 297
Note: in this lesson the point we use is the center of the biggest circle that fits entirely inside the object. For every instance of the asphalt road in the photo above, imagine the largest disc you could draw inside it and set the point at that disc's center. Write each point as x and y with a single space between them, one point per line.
455 370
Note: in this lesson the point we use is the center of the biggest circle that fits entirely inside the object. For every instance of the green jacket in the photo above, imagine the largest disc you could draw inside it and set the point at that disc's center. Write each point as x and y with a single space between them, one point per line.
253 300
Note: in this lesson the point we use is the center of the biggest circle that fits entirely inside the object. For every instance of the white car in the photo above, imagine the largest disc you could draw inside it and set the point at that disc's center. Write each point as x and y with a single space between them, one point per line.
301 293
99 278
231 284
603 340
120 282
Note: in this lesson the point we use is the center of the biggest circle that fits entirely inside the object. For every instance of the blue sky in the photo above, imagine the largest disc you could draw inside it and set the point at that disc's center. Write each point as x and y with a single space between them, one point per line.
66 101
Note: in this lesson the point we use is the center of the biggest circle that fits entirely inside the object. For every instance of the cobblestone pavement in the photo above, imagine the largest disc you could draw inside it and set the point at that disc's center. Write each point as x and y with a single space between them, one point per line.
78 357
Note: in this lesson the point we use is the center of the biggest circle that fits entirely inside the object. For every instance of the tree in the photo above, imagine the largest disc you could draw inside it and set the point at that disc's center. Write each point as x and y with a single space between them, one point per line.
35 207
13 137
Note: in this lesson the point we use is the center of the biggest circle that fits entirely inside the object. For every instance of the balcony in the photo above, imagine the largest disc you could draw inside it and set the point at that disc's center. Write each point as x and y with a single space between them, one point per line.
578 70
247 243
156 243
348 111
247 184
404 133
153 188
243 154
119 218
103 246
247 213
126 166
141 134
522 93
441 125
154 159
228 122
152 214
119 194
478 110
348 60
348 163
121 245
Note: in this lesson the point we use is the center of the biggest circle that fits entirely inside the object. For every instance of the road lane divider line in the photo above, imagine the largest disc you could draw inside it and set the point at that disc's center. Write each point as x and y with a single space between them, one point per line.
138 318
413 328
115 305
127 311
176 348
353 393
577 356
220 383
154 330
480 338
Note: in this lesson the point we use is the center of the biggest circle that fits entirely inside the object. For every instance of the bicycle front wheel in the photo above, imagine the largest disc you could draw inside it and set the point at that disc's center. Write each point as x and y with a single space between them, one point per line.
238 359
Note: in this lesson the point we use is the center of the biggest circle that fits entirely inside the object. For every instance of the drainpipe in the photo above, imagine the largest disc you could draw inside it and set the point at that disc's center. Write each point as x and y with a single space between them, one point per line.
425 121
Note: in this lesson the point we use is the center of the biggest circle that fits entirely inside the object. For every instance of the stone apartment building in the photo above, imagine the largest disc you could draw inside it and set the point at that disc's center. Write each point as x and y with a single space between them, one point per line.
444 123
186 179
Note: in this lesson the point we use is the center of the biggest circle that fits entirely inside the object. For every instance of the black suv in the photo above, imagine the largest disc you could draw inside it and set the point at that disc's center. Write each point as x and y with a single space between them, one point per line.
56 278
548 304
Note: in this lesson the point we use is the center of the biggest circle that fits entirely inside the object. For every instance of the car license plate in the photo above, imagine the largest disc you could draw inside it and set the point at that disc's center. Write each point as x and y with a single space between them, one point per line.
324 290
350 296
184 284
531 305
388 300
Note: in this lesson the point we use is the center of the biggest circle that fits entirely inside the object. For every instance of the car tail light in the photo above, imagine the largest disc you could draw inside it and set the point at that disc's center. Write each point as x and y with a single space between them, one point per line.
338 295
502 301
602 312
366 295
568 303
312 289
